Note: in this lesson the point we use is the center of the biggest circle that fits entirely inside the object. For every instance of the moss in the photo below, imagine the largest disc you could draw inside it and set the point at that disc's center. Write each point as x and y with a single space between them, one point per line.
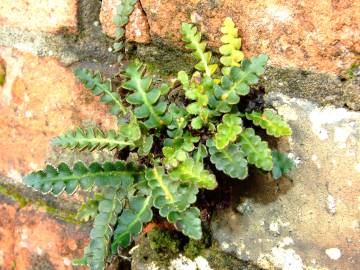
2 74
15 195
162 246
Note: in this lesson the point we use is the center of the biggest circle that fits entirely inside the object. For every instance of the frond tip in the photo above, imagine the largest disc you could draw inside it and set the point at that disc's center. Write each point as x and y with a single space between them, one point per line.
232 55
100 87
193 39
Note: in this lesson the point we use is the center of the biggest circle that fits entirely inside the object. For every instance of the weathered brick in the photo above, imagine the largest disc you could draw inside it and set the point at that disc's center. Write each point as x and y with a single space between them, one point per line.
33 239
137 29
39 100
39 15
314 35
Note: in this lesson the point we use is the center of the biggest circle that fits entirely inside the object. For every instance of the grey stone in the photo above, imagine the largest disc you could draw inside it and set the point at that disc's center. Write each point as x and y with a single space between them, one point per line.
306 223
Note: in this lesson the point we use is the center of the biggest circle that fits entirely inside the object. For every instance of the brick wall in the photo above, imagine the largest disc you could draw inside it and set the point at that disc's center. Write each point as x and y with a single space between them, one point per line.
42 41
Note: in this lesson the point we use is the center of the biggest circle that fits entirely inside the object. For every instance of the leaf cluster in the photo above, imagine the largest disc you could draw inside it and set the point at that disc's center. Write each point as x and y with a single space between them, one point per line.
170 143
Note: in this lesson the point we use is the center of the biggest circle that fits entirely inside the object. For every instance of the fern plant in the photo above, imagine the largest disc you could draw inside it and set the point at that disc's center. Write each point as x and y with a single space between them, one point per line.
175 145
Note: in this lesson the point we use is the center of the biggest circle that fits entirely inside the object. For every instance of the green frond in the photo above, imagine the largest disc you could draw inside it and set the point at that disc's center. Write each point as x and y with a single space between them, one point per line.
190 171
257 151
176 150
232 55
103 88
100 236
188 222
147 101
92 139
123 11
179 117
131 220
231 160
282 164
56 180
145 145
168 193
271 122
200 93
228 130
238 82
192 37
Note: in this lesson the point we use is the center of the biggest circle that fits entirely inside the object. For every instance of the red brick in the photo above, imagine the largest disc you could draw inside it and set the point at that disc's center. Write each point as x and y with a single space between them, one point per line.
39 100
33 239
39 15
314 35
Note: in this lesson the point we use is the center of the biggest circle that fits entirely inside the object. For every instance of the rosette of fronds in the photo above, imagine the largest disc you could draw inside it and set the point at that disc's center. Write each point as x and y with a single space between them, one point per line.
170 147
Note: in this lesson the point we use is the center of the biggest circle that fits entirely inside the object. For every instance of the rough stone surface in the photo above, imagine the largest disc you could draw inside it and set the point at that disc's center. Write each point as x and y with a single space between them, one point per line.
40 15
39 100
312 222
313 35
137 29
33 239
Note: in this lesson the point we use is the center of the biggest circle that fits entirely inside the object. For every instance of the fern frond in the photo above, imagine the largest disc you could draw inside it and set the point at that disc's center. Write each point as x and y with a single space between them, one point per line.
109 208
123 11
192 37
177 149
169 194
271 122
188 222
238 82
56 180
199 92
232 55
282 164
179 117
149 106
92 139
131 221
257 151
190 171
231 160
228 130
103 88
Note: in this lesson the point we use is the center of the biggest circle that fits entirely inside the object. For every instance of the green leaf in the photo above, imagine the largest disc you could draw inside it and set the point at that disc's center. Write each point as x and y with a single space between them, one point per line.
169 194
232 55
145 145
101 233
177 149
56 180
238 82
179 121
190 171
228 130
188 222
193 40
131 221
256 150
147 101
282 164
231 160
92 139
100 87
123 11
271 122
